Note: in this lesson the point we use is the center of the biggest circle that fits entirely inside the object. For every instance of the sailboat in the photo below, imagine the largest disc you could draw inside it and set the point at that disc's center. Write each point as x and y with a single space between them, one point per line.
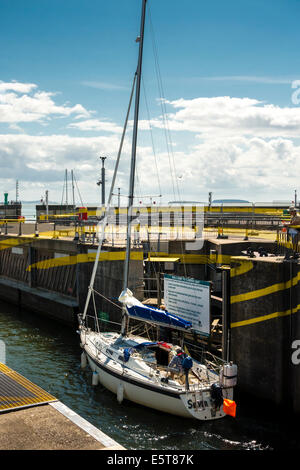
154 374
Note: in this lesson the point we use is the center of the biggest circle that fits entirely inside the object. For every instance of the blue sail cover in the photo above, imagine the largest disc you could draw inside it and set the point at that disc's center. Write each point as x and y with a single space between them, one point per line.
154 315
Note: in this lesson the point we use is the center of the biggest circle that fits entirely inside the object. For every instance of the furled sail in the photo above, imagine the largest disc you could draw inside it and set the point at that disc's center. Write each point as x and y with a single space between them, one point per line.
136 309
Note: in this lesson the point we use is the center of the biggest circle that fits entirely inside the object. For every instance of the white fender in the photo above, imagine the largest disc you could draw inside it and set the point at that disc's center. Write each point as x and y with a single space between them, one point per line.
83 360
95 378
120 392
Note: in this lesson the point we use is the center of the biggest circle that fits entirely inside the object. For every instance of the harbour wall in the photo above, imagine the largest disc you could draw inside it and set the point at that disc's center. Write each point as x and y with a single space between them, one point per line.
265 322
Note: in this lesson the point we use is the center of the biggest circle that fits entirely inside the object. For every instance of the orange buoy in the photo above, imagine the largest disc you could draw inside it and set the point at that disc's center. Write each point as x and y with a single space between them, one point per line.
229 407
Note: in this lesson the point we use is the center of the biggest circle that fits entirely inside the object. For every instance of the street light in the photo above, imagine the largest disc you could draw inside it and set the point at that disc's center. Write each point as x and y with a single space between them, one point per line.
102 181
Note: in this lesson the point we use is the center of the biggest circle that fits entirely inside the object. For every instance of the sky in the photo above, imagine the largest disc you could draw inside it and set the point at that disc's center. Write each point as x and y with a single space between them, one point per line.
219 109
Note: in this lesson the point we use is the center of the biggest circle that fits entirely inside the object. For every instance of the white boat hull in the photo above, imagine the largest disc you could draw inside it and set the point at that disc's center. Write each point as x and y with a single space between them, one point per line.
150 391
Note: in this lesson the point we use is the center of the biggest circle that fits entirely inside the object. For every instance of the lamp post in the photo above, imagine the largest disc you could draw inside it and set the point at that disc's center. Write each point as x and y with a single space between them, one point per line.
102 181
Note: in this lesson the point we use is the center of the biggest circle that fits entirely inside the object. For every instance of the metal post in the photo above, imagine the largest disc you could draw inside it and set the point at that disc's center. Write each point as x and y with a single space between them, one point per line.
209 200
103 181
226 314
157 275
73 193
47 206
66 187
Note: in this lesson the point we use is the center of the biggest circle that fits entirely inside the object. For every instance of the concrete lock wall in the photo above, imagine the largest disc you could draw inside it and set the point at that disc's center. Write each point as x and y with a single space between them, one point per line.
264 304
52 276
109 284
31 277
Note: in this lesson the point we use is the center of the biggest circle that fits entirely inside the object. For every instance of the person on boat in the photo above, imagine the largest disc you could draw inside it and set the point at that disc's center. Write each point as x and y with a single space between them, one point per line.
175 364
181 365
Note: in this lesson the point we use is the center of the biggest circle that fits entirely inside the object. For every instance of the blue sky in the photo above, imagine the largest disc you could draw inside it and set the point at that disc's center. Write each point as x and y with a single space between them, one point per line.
227 69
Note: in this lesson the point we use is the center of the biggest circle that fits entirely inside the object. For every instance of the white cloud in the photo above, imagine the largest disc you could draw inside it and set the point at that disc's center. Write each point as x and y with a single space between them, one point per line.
19 104
17 87
235 147
242 167
248 168
252 78
103 85
96 125
231 116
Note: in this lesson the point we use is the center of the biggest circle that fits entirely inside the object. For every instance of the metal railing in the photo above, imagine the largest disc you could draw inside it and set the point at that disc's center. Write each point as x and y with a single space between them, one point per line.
288 242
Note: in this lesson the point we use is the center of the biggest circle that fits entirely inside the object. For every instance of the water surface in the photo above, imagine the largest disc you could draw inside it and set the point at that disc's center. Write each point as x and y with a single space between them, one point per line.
48 354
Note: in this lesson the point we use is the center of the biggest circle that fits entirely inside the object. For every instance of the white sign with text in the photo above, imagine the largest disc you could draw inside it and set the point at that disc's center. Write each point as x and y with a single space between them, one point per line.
190 300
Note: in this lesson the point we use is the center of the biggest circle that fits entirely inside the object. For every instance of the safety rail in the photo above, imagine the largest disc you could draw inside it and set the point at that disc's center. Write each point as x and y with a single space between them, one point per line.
220 232
10 221
205 357
92 322
288 241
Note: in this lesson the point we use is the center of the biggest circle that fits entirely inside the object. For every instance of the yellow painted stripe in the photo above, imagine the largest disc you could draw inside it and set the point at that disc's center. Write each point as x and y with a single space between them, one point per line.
193 258
265 291
244 267
262 318
84 258
120 256
10 242
177 208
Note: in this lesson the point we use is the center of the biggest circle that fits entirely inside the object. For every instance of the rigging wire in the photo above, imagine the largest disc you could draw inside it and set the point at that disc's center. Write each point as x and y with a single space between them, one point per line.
77 189
168 137
151 134
106 298
63 191
103 222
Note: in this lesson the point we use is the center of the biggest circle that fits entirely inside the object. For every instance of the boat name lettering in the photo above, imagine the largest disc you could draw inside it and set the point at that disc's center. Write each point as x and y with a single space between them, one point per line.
200 404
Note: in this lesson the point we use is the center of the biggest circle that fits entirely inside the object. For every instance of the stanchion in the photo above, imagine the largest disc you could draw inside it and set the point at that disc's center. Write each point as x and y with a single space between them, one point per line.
36 231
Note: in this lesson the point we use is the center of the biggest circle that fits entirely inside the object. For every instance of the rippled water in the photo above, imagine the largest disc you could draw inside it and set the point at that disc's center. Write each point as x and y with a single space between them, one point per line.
48 354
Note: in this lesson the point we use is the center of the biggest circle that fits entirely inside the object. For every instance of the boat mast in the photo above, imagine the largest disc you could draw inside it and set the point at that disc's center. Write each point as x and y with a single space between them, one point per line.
103 222
133 160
